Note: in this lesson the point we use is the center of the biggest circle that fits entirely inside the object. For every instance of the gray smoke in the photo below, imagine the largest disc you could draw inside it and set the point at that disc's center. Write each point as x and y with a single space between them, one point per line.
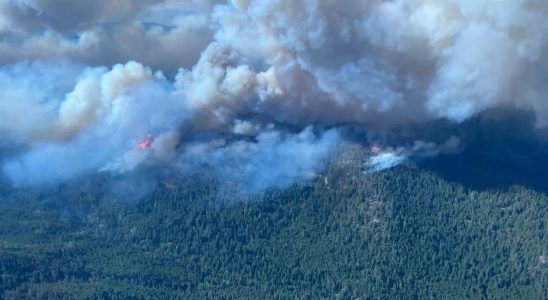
257 90
163 34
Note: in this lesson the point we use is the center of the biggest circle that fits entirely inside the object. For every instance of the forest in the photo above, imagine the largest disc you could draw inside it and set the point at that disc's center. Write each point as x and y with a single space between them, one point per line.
403 233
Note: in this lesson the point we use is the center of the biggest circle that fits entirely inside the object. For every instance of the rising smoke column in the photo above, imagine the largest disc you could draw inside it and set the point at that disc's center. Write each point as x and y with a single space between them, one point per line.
256 87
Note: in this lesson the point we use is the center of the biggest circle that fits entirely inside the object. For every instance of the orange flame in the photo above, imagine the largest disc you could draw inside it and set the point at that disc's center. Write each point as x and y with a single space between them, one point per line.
147 142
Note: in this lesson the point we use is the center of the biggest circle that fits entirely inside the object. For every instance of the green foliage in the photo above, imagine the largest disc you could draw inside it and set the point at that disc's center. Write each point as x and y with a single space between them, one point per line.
404 233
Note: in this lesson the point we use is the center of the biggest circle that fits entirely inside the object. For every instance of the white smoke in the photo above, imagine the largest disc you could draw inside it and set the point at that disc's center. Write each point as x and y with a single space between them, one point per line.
385 160
270 74
96 125
389 157
275 159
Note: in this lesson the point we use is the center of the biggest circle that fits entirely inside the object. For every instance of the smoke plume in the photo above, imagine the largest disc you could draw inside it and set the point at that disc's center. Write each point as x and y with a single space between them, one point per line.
260 91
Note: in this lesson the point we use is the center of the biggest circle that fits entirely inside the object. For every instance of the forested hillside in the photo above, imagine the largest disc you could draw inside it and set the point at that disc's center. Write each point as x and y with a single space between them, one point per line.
404 233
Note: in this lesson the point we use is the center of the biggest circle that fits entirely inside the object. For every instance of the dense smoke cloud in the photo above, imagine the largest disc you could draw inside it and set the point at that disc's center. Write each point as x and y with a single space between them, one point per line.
163 34
259 90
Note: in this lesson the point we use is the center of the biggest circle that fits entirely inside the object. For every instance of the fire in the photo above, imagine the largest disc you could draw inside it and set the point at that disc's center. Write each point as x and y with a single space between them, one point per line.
147 142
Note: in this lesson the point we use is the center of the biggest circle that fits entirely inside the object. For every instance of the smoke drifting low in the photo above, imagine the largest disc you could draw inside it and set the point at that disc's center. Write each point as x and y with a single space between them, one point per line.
260 91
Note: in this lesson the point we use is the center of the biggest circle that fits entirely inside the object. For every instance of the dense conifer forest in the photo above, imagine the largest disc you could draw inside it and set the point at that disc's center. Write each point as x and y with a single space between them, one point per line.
403 233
